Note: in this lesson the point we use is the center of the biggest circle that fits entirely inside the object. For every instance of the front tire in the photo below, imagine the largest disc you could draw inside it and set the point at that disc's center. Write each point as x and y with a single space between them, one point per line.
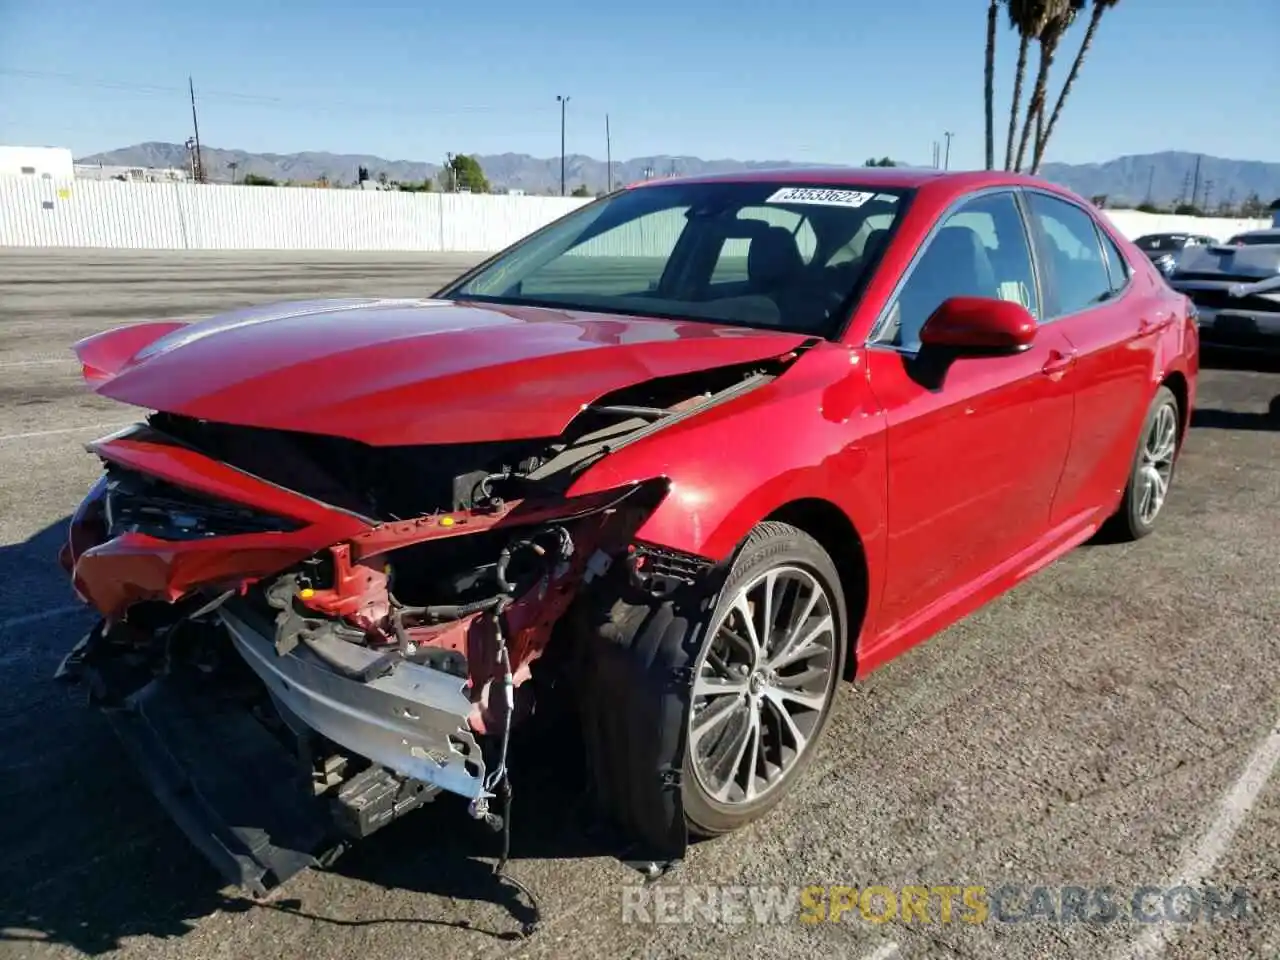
764 681
1151 474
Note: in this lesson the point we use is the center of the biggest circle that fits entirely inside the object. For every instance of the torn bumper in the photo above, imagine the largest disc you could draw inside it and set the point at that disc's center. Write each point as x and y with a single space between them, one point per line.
412 720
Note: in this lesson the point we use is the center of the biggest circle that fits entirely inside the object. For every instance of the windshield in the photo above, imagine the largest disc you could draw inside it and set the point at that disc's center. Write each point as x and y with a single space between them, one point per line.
1265 238
774 255
1161 241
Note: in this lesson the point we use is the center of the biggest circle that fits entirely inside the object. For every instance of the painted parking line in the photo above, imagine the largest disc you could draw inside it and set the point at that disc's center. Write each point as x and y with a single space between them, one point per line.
1199 860
42 615
34 434
38 362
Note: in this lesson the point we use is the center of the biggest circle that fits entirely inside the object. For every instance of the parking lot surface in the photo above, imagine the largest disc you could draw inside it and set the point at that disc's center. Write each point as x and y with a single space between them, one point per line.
1110 723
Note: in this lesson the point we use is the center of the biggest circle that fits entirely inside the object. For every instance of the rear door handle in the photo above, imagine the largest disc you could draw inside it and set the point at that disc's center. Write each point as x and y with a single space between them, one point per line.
1059 362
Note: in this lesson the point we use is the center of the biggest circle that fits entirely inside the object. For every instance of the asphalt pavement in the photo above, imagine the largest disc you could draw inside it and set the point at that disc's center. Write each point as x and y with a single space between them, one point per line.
1111 723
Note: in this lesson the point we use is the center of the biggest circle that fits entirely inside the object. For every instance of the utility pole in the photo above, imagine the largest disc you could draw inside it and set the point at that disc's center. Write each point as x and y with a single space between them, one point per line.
608 155
1151 179
1208 192
946 163
1195 190
233 166
195 123
1186 187
563 103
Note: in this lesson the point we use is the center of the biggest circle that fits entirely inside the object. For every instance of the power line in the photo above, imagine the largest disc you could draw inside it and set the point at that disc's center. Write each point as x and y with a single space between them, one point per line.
263 100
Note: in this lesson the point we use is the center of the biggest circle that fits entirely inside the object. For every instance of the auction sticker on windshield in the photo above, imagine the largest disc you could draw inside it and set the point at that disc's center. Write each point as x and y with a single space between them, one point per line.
818 195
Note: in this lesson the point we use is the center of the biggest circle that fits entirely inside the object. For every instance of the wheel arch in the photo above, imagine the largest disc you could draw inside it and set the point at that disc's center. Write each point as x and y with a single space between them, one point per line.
837 535
1176 381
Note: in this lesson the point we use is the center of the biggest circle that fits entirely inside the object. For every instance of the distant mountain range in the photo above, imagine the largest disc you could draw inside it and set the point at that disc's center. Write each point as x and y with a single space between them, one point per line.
1163 178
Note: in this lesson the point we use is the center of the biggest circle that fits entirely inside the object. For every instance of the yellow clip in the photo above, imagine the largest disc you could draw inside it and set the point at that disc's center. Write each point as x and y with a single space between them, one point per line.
306 593
446 521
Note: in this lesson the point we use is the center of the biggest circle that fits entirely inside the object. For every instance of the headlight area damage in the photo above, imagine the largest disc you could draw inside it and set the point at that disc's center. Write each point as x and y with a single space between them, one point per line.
285 610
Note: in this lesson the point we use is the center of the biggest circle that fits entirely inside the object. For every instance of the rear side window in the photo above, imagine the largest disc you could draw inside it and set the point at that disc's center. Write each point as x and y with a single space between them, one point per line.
1074 271
1117 265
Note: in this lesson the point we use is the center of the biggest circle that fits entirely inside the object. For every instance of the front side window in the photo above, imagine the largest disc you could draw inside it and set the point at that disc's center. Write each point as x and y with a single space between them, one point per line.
768 254
980 250
1073 268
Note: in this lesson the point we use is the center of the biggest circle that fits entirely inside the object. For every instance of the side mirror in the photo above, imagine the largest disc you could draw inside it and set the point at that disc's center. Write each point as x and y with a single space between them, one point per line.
979 325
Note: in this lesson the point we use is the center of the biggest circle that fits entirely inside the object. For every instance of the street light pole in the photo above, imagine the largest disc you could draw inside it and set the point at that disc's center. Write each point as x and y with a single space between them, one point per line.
946 163
563 101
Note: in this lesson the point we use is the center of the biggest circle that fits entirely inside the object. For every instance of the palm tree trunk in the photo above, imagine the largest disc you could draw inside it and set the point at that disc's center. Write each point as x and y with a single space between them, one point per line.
1019 73
1043 142
1048 45
993 11
1035 142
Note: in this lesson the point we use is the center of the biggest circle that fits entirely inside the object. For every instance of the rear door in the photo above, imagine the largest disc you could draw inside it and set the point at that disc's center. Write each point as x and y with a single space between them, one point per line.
974 450
1095 298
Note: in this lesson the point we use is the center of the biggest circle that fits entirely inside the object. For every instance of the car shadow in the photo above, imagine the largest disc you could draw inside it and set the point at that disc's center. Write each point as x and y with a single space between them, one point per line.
1238 420
88 858
1215 358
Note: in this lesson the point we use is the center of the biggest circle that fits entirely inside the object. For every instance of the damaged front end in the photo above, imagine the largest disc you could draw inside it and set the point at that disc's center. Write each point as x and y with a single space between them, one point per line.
362 622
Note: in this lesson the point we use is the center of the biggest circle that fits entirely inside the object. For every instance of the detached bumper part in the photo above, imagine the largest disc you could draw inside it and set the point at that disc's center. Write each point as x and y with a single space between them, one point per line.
232 789
412 720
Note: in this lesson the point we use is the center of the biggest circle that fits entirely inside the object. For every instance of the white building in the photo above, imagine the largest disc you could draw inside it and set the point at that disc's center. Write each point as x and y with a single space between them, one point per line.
98 171
48 163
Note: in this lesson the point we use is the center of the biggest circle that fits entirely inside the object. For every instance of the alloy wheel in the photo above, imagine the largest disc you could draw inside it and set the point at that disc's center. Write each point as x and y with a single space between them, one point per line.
762 686
1156 469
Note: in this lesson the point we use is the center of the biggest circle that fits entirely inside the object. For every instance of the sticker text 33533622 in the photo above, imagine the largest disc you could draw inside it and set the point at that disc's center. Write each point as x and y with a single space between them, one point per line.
821 195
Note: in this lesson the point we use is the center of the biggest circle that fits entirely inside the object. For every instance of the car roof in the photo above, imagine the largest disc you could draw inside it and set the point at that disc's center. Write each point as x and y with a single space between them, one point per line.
887 177
1264 232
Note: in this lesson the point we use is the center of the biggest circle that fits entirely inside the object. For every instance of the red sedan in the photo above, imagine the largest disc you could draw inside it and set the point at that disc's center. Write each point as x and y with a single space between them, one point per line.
681 462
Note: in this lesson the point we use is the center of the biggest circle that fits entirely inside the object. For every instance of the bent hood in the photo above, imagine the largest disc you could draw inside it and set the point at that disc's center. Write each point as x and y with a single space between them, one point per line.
389 372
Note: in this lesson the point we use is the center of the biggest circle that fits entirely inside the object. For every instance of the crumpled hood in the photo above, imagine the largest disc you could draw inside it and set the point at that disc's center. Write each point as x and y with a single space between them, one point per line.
387 372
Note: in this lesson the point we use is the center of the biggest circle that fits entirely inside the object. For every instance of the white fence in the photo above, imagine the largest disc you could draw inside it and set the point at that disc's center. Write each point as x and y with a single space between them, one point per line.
186 216
183 216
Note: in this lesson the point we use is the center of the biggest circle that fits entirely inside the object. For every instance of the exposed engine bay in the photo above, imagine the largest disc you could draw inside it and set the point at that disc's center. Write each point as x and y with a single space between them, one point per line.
394 659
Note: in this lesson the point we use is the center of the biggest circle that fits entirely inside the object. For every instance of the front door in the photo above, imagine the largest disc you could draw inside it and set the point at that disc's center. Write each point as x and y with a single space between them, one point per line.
975 450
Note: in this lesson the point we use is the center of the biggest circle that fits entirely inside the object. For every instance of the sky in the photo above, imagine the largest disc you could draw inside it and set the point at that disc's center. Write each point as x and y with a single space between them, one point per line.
811 81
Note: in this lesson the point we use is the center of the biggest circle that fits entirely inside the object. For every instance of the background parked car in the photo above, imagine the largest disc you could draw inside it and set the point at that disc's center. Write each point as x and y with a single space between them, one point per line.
1207 275
1164 249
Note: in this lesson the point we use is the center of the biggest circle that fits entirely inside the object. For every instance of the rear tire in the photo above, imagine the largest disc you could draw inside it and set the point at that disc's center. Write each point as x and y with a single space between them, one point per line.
764 680
1151 474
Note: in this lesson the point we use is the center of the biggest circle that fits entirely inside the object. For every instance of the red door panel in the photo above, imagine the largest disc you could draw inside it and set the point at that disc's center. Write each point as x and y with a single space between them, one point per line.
974 459
1113 373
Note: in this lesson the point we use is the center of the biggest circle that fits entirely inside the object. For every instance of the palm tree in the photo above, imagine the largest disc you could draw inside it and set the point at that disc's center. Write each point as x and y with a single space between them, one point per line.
1060 15
1028 18
993 16
1099 8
